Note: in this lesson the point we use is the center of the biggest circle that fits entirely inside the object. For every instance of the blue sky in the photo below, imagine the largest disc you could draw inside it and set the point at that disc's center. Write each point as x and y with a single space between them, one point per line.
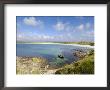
55 28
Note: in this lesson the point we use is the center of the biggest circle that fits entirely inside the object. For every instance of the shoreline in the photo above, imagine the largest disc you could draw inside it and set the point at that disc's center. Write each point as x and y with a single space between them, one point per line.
33 65
88 46
38 65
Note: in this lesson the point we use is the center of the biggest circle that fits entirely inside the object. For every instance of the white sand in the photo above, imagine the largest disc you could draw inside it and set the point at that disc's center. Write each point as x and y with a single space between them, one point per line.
88 46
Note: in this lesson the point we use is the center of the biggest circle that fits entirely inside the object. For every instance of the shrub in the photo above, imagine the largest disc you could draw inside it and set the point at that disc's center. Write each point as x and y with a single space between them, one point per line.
84 66
92 44
91 52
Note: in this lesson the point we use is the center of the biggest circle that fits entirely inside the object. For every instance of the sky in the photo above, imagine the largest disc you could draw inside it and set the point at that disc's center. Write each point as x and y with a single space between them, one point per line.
55 28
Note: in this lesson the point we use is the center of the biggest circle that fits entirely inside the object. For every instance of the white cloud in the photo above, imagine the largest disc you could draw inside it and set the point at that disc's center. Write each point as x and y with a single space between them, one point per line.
86 26
80 27
46 37
60 26
42 37
19 36
32 21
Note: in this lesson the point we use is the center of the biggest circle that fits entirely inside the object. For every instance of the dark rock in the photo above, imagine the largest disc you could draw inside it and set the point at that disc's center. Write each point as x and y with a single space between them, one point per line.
61 56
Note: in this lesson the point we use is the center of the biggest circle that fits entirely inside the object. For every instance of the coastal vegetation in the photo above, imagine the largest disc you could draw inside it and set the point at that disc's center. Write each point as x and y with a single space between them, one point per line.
83 66
80 43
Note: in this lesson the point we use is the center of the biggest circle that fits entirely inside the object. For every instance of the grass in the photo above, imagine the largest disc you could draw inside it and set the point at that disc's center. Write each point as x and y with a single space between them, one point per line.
82 66
81 43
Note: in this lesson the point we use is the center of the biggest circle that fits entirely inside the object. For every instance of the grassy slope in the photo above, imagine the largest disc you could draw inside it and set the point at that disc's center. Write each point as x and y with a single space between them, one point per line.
83 66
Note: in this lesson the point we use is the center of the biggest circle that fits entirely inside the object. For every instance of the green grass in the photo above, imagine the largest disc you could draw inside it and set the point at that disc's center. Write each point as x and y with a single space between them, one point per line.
82 66
81 43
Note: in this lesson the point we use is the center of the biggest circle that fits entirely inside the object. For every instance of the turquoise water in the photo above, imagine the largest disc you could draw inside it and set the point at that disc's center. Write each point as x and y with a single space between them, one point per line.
48 51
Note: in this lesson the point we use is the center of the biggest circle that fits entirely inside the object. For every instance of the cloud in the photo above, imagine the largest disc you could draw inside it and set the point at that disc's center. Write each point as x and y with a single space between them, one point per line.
32 21
38 37
80 27
86 26
47 37
43 37
19 37
60 26
60 37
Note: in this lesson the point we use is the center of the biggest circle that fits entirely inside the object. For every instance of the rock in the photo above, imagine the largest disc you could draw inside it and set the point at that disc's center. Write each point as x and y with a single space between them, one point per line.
80 53
61 56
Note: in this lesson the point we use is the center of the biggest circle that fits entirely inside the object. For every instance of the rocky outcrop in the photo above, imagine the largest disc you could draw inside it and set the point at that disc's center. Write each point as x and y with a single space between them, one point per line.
80 53
31 65
61 56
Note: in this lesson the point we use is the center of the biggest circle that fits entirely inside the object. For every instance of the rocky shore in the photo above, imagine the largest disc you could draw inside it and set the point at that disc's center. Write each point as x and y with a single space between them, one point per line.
39 65
32 65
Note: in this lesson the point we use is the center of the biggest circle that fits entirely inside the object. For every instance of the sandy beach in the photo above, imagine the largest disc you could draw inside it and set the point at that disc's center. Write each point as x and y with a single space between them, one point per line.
80 45
88 46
